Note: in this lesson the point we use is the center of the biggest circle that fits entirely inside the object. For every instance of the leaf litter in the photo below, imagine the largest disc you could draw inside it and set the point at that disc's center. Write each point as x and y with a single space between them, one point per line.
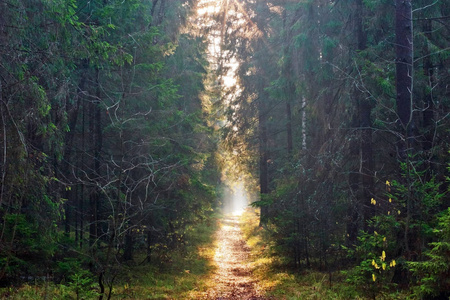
233 277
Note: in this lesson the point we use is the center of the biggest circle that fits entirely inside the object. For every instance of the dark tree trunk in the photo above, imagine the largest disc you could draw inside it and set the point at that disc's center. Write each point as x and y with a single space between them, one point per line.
3 32
161 12
290 86
3 133
154 4
353 210
289 127
404 75
82 214
360 146
73 112
404 82
96 140
428 111
93 191
128 247
263 159
3 149
77 216
365 110
366 160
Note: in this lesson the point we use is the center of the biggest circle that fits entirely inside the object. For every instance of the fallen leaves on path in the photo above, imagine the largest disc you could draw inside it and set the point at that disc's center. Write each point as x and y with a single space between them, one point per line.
233 277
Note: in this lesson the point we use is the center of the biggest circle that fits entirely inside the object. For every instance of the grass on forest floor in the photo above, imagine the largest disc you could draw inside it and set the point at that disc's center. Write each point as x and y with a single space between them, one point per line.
184 276
279 282
181 278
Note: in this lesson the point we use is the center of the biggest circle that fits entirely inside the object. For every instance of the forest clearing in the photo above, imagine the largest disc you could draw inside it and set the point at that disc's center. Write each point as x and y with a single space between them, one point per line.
224 149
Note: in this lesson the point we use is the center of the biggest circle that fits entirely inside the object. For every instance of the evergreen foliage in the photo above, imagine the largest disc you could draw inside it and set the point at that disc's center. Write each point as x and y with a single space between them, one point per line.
346 133
110 153
106 150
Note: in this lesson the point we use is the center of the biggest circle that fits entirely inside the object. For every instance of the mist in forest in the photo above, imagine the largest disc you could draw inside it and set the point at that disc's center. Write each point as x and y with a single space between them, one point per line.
235 199
125 125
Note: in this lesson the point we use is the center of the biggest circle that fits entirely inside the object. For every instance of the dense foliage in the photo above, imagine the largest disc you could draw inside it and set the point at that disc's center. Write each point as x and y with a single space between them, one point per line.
339 116
106 151
343 115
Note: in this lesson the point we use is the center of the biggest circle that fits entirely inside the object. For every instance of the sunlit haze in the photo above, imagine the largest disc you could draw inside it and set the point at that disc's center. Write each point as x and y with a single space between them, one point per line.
236 200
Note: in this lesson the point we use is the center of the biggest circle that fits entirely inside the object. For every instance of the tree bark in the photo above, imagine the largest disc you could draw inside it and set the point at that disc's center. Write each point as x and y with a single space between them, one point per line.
404 85
428 110
263 159
96 140
70 205
290 91
366 160
404 71
360 175
289 127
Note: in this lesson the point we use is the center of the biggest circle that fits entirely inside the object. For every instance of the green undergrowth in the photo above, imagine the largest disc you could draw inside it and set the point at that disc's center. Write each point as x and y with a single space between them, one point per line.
180 277
280 282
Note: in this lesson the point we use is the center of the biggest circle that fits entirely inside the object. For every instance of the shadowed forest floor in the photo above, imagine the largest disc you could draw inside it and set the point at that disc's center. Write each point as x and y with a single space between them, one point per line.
225 260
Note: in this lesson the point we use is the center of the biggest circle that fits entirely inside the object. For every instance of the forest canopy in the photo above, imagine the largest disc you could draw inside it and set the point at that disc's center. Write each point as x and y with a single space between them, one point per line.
120 125
343 113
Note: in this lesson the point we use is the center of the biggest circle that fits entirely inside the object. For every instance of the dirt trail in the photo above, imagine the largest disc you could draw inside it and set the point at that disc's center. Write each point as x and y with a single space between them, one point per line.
233 277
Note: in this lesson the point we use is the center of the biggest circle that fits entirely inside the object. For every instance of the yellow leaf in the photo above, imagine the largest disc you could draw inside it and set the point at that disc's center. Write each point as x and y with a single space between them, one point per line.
388 183
374 278
383 255
390 200
384 240
383 266
373 262
372 201
398 211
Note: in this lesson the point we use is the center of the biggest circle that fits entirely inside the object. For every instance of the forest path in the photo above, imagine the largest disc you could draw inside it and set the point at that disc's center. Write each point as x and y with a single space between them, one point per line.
233 276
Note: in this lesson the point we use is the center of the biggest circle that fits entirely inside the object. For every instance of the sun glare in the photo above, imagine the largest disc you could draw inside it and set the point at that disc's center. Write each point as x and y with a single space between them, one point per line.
206 11
238 200
213 15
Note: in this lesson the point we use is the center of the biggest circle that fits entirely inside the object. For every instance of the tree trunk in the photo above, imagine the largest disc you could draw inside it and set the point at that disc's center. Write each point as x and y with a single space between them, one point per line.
360 175
303 123
404 71
366 160
353 210
4 147
263 159
404 84
289 127
290 88
128 247
81 200
96 135
70 205
428 110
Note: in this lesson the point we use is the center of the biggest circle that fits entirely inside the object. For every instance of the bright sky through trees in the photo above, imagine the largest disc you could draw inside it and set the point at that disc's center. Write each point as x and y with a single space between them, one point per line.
209 12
